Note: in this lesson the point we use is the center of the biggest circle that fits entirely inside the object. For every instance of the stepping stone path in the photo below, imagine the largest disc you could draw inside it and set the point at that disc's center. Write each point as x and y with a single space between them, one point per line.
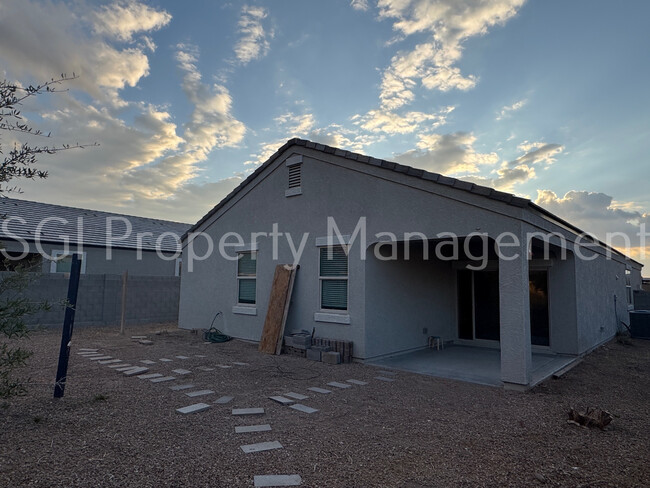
149 376
319 390
338 385
136 370
148 361
205 368
181 387
262 446
124 367
303 408
181 371
117 366
98 358
271 480
296 396
244 429
163 379
281 399
197 407
223 400
165 360
357 382
383 378
193 394
247 411
109 361
85 349
182 357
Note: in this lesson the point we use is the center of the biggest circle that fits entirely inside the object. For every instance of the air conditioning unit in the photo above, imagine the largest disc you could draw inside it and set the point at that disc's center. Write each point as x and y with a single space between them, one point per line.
640 324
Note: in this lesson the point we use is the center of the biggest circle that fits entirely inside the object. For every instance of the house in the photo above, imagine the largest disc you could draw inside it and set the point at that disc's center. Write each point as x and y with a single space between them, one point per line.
391 255
43 237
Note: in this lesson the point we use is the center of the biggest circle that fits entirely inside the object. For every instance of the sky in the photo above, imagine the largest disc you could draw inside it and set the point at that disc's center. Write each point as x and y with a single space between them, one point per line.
545 99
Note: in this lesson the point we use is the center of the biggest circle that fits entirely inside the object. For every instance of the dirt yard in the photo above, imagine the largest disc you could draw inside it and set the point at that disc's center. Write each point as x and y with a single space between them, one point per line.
417 431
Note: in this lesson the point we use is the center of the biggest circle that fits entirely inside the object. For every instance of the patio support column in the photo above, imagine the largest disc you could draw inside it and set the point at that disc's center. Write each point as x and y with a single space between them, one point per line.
514 308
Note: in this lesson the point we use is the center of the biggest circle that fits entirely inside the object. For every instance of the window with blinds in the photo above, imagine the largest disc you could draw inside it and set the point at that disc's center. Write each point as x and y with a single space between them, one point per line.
246 277
333 278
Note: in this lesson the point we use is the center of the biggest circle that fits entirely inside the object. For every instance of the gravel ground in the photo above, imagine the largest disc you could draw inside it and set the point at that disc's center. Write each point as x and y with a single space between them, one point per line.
415 432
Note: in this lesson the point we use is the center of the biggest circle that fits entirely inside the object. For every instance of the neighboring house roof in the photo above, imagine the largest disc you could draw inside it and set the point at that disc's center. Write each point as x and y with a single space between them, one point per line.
94 231
434 178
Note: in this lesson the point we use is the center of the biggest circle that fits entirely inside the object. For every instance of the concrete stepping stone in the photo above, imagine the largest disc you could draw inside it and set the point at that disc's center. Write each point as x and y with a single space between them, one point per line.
247 411
239 364
136 370
281 399
271 480
262 446
296 396
165 360
357 382
223 400
181 387
148 361
100 358
90 354
336 384
243 429
138 337
85 349
205 368
149 376
197 407
223 366
383 378
319 390
109 361
303 408
193 394
388 373
163 379
145 342
181 371
122 365
182 357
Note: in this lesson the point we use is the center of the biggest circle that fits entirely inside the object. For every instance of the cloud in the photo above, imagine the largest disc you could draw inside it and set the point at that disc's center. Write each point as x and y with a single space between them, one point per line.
122 19
447 23
296 124
390 122
359 4
253 43
537 152
507 110
597 213
448 154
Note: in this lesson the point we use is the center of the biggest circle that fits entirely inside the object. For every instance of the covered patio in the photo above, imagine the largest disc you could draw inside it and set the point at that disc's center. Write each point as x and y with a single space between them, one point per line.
480 365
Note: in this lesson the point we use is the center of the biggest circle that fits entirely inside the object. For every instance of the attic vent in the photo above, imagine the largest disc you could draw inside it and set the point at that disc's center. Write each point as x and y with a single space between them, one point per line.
294 169
294 176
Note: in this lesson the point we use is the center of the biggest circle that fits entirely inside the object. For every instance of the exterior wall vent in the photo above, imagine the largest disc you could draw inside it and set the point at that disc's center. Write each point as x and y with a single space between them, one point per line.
294 170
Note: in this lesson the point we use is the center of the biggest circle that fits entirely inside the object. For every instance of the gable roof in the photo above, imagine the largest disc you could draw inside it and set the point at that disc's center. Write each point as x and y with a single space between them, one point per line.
435 178
94 231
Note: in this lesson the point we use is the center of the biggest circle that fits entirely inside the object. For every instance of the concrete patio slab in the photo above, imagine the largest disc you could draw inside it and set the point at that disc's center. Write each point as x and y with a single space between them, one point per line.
181 387
197 407
223 400
163 379
336 384
303 408
357 382
270 480
262 446
197 393
319 390
243 429
296 396
149 376
248 411
181 371
281 399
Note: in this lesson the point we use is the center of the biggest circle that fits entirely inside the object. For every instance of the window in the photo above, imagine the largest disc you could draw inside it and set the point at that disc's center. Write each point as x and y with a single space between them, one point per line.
333 278
246 277
628 287
62 262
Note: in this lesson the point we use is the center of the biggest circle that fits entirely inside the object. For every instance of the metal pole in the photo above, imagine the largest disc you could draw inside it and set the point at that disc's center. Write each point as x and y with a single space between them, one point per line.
68 325
125 278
